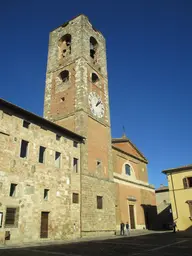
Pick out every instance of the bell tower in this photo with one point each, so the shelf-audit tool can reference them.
(76, 97)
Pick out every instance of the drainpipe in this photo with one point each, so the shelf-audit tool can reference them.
(174, 196)
(80, 173)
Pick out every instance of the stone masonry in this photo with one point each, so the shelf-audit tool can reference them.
(32, 178)
(75, 114)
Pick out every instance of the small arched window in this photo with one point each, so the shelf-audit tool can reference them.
(64, 75)
(93, 47)
(94, 78)
(65, 45)
(127, 170)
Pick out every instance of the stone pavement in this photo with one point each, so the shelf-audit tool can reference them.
(146, 244)
(133, 233)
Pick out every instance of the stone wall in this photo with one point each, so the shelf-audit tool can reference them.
(93, 219)
(32, 177)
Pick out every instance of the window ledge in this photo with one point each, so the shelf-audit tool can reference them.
(24, 158)
(10, 226)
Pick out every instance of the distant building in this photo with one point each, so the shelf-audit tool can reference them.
(63, 176)
(164, 212)
(180, 192)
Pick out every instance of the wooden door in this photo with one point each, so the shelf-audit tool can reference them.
(44, 224)
(132, 216)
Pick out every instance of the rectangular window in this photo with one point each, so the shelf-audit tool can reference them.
(75, 165)
(12, 216)
(1, 219)
(58, 137)
(189, 202)
(46, 194)
(57, 159)
(187, 182)
(190, 210)
(75, 198)
(24, 148)
(75, 144)
(12, 192)
(42, 154)
(26, 124)
(99, 202)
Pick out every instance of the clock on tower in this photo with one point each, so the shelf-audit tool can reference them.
(96, 105)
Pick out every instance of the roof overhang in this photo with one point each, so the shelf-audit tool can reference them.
(33, 118)
(178, 169)
(160, 190)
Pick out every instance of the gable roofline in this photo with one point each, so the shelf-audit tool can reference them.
(125, 139)
(128, 154)
(178, 169)
(33, 118)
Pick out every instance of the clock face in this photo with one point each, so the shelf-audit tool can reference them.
(96, 105)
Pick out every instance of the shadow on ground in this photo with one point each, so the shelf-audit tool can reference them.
(145, 244)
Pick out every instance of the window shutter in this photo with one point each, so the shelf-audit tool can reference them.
(185, 183)
(10, 216)
(190, 209)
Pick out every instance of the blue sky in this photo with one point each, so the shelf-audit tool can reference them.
(149, 52)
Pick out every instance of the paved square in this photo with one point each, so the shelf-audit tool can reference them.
(166, 244)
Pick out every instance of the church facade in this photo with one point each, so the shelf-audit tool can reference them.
(63, 176)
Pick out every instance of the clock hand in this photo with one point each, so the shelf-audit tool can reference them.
(99, 102)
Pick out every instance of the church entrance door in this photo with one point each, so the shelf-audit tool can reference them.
(132, 216)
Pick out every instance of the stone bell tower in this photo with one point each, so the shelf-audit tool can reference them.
(76, 97)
